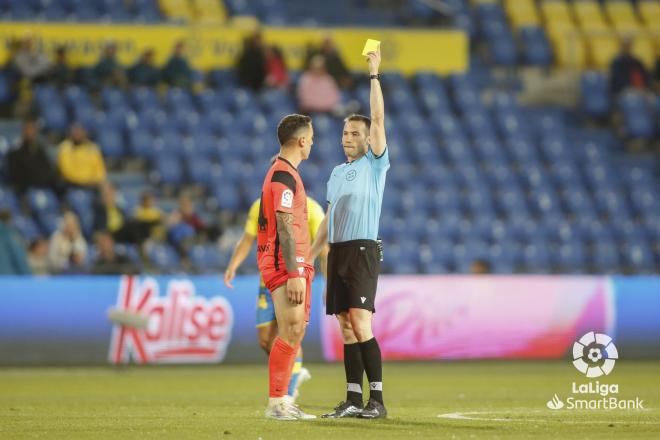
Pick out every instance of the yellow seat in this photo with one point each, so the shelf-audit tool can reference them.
(570, 50)
(589, 16)
(522, 13)
(555, 10)
(649, 10)
(622, 16)
(209, 11)
(644, 49)
(602, 49)
(176, 9)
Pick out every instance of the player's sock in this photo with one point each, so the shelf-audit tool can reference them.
(354, 371)
(373, 365)
(295, 374)
(280, 362)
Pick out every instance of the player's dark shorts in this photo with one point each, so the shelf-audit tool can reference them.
(353, 268)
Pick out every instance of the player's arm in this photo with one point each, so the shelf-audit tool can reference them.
(296, 285)
(241, 251)
(321, 239)
(377, 105)
(323, 262)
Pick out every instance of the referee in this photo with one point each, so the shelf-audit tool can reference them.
(355, 195)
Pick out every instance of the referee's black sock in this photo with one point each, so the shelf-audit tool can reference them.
(373, 365)
(354, 372)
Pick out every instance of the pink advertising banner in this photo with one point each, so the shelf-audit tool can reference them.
(466, 317)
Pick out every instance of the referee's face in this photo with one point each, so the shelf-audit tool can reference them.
(354, 140)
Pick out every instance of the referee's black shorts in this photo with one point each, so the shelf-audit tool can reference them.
(353, 268)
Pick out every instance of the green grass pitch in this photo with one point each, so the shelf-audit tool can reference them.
(502, 399)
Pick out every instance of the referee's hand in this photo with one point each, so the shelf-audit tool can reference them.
(295, 290)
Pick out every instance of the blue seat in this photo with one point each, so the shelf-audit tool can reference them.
(42, 200)
(80, 201)
(111, 143)
(639, 117)
(27, 228)
(206, 258)
(177, 99)
(144, 98)
(9, 200)
(536, 47)
(595, 94)
(164, 257)
(167, 171)
(141, 143)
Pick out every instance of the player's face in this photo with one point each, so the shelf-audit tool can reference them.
(355, 139)
(307, 141)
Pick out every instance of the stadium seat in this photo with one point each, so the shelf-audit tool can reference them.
(164, 257)
(595, 94)
(639, 118)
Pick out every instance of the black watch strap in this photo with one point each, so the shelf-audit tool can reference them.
(376, 76)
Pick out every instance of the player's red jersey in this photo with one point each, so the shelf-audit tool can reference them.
(283, 191)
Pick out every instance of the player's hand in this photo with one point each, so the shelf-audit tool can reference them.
(373, 59)
(295, 290)
(230, 274)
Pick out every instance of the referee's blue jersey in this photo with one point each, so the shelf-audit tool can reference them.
(355, 196)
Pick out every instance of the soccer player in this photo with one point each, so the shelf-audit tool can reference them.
(283, 247)
(355, 194)
(266, 323)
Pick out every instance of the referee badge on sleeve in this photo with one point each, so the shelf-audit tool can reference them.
(287, 199)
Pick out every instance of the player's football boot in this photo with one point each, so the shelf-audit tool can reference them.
(303, 377)
(286, 410)
(373, 410)
(344, 409)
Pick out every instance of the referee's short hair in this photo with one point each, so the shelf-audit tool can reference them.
(289, 126)
(360, 118)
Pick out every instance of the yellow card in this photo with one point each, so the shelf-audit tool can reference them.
(370, 46)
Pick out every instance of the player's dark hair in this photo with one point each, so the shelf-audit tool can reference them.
(360, 118)
(289, 126)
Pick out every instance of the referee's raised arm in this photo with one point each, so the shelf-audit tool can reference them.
(377, 130)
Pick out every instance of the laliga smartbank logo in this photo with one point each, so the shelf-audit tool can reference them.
(594, 355)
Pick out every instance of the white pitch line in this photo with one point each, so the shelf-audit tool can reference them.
(468, 416)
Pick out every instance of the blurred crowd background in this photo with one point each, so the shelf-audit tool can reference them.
(543, 157)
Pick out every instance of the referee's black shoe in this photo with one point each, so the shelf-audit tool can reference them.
(344, 409)
(373, 410)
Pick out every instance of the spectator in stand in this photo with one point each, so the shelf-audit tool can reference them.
(149, 216)
(144, 72)
(480, 267)
(333, 62)
(60, 73)
(251, 63)
(108, 261)
(627, 71)
(30, 61)
(108, 71)
(38, 256)
(68, 248)
(317, 90)
(80, 160)
(656, 74)
(277, 75)
(12, 254)
(110, 217)
(177, 71)
(30, 165)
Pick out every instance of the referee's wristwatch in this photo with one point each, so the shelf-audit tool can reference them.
(376, 76)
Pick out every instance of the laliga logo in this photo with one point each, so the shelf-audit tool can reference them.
(179, 327)
(594, 354)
